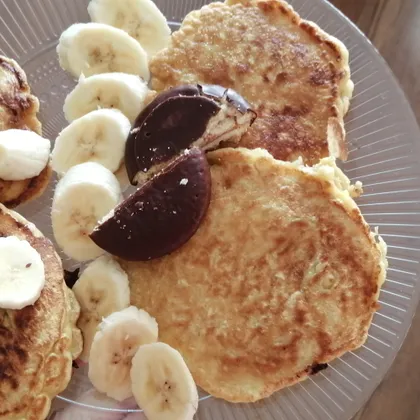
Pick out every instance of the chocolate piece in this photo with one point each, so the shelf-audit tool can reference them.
(133, 138)
(183, 90)
(169, 129)
(316, 367)
(162, 214)
(186, 116)
(71, 277)
(231, 96)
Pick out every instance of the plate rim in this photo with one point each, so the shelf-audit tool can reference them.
(357, 36)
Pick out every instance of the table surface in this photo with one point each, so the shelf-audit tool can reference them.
(394, 28)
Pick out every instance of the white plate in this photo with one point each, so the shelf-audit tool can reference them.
(384, 151)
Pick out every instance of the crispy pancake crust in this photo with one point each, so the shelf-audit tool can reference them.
(73, 310)
(35, 342)
(295, 75)
(14, 193)
(282, 275)
(18, 109)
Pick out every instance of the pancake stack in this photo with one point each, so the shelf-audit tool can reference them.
(283, 275)
(39, 342)
(18, 110)
(242, 240)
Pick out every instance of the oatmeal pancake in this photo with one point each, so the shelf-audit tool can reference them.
(295, 75)
(283, 275)
(18, 110)
(36, 342)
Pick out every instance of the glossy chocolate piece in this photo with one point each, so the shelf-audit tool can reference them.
(71, 277)
(169, 129)
(162, 214)
(231, 96)
(134, 136)
(175, 120)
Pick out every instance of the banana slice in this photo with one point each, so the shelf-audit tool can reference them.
(93, 48)
(99, 137)
(22, 273)
(115, 343)
(85, 194)
(162, 384)
(23, 154)
(101, 290)
(125, 92)
(141, 19)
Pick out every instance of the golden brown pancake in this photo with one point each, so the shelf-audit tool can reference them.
(18, 107)
(295, 75)
(36, 343)
(14, 193)
(73, 315)
(282, 275)
(18, 110)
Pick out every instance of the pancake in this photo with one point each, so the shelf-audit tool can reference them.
(18, 109)
(282, 276)
(36, 342)
(73, 309)
(15, 193)
(295, 75)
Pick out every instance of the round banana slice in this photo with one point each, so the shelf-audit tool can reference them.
(162, 384)
(23, 154)
(99, 136)
(101, 289)
(114, 345)
(141, 19)
(22, 273)
(85, 194)
(94, 48)
(125, 92)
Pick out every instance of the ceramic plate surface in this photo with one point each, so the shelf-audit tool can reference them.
(384, 145)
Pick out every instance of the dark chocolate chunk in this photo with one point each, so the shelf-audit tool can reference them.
(169, 129)
(162, 214)
(316, 367)
(183, 117)
(183, 90)
(232, 97)
(130, 161)
(70, 277)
